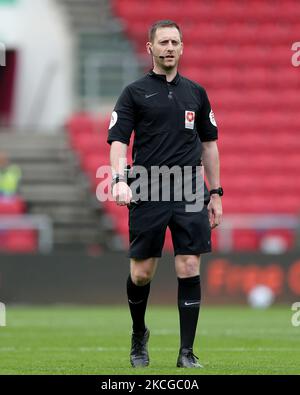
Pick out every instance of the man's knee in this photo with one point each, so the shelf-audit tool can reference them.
(187, 265)
(141, 279)
(142, 271)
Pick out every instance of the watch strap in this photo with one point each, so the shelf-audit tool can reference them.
(218, 191)
(117, 178)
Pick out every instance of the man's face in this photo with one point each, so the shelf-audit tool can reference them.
(166, 43)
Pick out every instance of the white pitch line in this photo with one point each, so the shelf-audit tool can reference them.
(154, 349)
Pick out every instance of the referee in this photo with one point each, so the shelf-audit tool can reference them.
(174, 126)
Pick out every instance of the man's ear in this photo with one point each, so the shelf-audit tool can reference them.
(149, 48)
(181, 52)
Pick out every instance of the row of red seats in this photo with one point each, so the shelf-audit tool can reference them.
(18, 241)
(273, 182)
(202, 55)
(12, 205)
(250, 142)
(264, 121)
(239, 33)
(84, 122)
(242, 79)
(212, 10)
(234, 54)
(255, 204)
(256, 99)
(261, 162)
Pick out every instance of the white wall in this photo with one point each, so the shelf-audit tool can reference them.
(39, 32)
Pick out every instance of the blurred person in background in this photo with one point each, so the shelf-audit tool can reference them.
(174, 126)
(10, 177)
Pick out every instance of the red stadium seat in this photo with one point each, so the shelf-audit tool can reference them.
(19, 241)
(13, 205)
(89, 142)
(81, 122)
(245, 240)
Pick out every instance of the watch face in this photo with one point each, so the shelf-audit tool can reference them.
(219, 191)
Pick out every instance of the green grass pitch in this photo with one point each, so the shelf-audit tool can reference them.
(96, 340)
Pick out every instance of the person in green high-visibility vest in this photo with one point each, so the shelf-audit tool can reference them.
(10, 176)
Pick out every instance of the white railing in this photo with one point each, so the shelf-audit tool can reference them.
(42, 223)
(96, 64)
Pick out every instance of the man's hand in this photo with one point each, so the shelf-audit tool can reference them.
(122, 193)
(215, 210)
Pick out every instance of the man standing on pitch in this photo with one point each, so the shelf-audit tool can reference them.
(174, 126)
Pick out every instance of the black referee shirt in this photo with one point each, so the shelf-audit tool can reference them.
(170, 120)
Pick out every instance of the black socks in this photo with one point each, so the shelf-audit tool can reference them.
(189, 298)
(137, 300)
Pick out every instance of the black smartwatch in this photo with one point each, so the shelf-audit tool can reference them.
(219, 191)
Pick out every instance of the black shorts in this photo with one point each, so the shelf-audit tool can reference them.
(148, 221)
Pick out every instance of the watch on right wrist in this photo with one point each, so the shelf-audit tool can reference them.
(117, 178)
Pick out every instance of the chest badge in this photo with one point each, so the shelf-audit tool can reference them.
(189, 119)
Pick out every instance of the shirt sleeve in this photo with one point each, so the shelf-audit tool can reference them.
(206, 123)
(122, 119)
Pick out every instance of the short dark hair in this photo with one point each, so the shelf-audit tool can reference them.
(162, 23)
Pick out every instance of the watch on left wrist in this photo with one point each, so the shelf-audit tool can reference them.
(218, 191)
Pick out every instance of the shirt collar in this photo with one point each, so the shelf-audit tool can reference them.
(162, 77)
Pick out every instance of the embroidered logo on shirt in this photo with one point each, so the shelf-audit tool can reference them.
(152, 94)
(189, 119)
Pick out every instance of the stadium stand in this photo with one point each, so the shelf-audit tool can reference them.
(13, 205)
(52, 185)
(15, 240)
(87, 137)
(97, 31)
(241, 54)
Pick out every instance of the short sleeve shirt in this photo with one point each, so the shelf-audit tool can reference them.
(170, 120)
